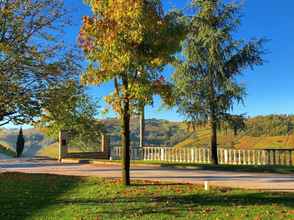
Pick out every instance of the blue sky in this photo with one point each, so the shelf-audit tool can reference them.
(270, 87)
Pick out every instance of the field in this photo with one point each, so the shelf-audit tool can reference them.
(26, 196)
(242, 141)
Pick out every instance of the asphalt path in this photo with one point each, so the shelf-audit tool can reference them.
(261, 181)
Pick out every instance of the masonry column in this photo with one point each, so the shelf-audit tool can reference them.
(63, 148)
(105, 145)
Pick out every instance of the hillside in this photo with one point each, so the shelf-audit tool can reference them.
(157, 133)
(242, 141)
(34, 140)
(273, 131)
(6, 151)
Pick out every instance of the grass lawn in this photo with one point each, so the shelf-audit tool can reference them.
(38, 196)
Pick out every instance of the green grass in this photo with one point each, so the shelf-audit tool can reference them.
(39, 196)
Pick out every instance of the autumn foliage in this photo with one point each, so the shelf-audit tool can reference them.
(129, 42)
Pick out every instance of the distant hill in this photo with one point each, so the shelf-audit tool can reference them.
(273, 131)
(34, 140)
(7, 151)
(242, 141)
(157, 133)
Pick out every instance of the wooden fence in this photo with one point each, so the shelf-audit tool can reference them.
(202, 155)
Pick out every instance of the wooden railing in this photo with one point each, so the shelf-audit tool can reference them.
(202, 155)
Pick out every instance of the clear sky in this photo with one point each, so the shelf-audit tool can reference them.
(270, 87)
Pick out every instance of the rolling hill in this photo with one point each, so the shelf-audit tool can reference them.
(242, 141)
(273, 131)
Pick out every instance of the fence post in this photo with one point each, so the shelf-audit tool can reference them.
(235, 157)
(226, 156)
(105, 145)
(274, 157)
(268, 157)
(192, 156)
(254, 157)
(239, 161)
(162, 154)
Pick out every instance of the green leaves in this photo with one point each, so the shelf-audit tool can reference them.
(32, 56)
(205, 78)
(68, 107)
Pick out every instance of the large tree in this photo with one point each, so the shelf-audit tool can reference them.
(128, 42)
(32, 55)
(205, 77)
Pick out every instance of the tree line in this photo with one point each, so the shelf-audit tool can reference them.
(128, 43)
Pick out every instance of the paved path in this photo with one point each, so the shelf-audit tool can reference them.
(264, 181)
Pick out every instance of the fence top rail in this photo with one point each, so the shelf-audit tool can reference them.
(220, 149)
(282, 149)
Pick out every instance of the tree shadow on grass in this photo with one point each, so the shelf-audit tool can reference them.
(178, 204)
(22, 195)
(25, 195)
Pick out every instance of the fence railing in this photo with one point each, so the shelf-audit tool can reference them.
(202, 155)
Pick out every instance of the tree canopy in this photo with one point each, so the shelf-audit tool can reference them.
(206, 77)
(32, 56)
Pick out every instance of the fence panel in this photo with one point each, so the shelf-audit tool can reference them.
(203, 155)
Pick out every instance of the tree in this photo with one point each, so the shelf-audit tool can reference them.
(205, 77)
(69, 108)
(128, 42)
(235, 122)
(32, 56)
(20, 143)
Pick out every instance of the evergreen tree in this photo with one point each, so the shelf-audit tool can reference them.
(205, 78)
(20, 143)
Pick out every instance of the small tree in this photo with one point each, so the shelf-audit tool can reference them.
(127, 42)
(206, 84)
(20, 143)
(68, 107)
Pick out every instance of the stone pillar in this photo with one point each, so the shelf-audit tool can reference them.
(63, 147)
(105, 148)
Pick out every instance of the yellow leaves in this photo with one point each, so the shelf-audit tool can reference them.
(115, 34)
(5, 48)
(156, 62)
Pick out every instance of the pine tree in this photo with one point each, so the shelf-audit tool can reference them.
(20, 143)
(205, 78)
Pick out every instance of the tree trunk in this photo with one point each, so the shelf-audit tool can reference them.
(126, 136)
(142, 125)
(235, 131)
(214, 158)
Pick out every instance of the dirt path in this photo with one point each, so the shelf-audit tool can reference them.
(263, 181)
